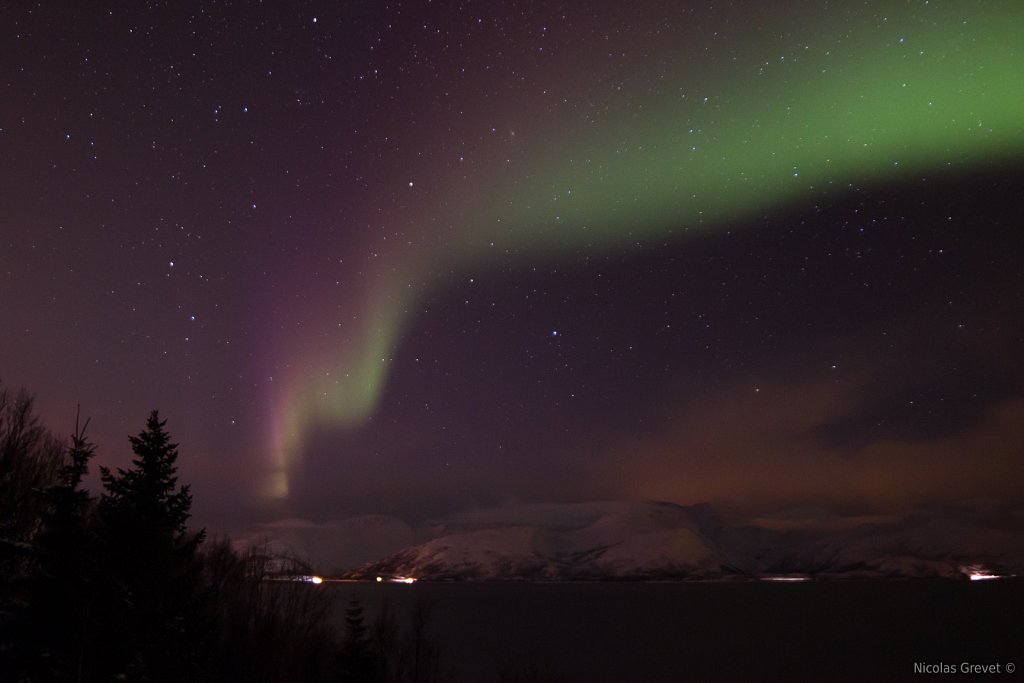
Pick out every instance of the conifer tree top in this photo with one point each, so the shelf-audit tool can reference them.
(149, 489)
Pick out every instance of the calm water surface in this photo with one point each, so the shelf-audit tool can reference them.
(855, 631)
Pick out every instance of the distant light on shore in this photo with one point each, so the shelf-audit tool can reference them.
(977, 572)
(301, 578)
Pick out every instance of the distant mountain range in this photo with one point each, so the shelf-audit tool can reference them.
(660, 541)
(664, 541)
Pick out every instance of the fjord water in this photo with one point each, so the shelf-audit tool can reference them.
(836, 630)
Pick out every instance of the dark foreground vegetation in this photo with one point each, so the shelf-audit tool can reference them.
(118, 587)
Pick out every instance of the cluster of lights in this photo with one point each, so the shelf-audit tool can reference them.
(397, 579)
(977, 572)
(317, 580)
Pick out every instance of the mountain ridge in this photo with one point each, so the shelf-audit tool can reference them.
(667, 541)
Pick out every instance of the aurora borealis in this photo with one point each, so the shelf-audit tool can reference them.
(410, 258)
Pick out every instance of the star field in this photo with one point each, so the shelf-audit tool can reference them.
(413, 257)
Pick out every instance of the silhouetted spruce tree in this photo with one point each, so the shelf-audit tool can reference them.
(356, 657)
(64, 585)
(152, 572)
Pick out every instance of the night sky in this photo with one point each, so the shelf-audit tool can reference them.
(412, 258)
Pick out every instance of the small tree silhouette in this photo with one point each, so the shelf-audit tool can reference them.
(356, 657)
(64, 585)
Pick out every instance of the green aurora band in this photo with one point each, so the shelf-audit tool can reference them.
(883, 96)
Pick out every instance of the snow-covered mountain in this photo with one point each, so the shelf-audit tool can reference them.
(648, 540)
(938, 542)
(583, 541)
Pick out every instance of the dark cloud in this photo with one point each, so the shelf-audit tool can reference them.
(923, 399)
